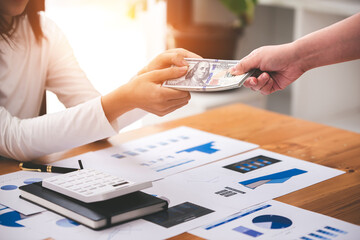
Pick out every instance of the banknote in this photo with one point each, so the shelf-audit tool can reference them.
(208, 75)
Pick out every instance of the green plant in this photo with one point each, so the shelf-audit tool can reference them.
(243, 10)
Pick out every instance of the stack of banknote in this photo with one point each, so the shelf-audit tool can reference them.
(208, 75)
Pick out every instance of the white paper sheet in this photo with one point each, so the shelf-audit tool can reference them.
(11, 228)
(198, 212)
(278, 176)
(169, 152)
(276, 220)
(10, 183)
(9, 190)
(210, 193)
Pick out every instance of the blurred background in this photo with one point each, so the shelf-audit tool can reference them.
(113, 39)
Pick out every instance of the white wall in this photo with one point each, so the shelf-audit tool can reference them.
(328, 95)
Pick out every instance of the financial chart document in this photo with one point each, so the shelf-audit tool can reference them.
(250, 178)
(276, 220)
(9, 190)
(166, 153)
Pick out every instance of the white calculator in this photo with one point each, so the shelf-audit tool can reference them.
(89, 185)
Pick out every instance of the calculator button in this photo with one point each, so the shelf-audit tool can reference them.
(89, 185)
(119, 184)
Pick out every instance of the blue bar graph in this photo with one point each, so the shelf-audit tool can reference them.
(319, 236)
(248, 231)
(205, 148)
(326, 233)
(278, 177)
(117, 155)
(335, 230)
(251, 164)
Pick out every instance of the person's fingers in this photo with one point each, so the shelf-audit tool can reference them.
(165, 60)
(169, 94)
(176, 57)
(161, 75)
(171, 109)
(163, 108)
(178, 60)
(268, 88)
(250, 82)
(176, 101)
(251, 61)
(173, 104)
(169, 58)
(261, 81)
(184, 52)
(161, 61)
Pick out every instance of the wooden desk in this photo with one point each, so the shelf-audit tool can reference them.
(338, 197)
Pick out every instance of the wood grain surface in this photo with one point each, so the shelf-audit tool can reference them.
(338, 197)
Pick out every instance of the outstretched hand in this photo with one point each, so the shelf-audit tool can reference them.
(171, 57)
(278, 64)
(145, 90)
(154, 98)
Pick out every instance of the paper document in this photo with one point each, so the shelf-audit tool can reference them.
(11, 228)
(276, 220)
(163, 154)
(9, 190)
(185, 212)
(10, 183)
(250, 178)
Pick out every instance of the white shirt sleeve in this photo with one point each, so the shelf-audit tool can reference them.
(26, 139)
(83, 121)
(66, 79)
(31, 138)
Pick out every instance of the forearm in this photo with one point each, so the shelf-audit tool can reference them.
(117, 102)
(339, 42)
(31, 138)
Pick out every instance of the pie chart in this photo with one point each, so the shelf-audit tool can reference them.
(64, 222)
(272, 222)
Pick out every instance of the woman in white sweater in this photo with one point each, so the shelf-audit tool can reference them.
(35, 56)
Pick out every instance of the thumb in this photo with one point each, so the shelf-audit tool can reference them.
(160, 76)
(251, 61)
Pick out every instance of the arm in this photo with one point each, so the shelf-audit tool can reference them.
(69, 83)
(337, 43)
(26, 139)
(87, 117)
(144, 91)
(283, 64)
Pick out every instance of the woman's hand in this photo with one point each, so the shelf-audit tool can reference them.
(145, 91)
(171, 57)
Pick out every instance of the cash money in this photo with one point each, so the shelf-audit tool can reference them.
(208, 75)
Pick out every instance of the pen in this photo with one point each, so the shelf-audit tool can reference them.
(80, 164)
(45, 168)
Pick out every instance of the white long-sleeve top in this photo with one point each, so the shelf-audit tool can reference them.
(27, 69)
